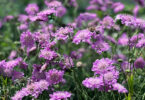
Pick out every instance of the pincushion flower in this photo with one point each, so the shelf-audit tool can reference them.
(107, 22)
(8, 18)
(2, 66)
(57, 6)
(33, 89)
(93, 82)
(140, 23)
(100, 46)
(128, 20)
(131, 21)
(43, 15)
(38, 18)
(54, 76)
(60, 95)
(23, 27)
(141, 43)
(139, 63)
(135, 38)
(13, 63)
(48, 54)
(53, 4)
(42, 39)
(82, 36)
(37, 75)
(117, 6)
(110, 77)
(63, 33)
(23, 18)
(123, 40)
(23, 65)
(46, 12)
(85, 17)
(27, 40)
(7, 68)
(102, 66)
(37, 88)
(17, 75)
(20, 94)
(99, 30)
(61, 11)
(32, 9)
(102, 5)
(119, 88)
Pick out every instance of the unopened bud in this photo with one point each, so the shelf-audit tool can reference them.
(79, 64)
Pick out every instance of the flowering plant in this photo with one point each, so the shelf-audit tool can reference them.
(62, 50)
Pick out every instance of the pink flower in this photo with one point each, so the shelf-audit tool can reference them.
(93, 82)
(119, 88)
(60, 95)
(82, 36)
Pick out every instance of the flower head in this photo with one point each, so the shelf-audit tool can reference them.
(60, 95)
(100, 46)
(82, 36)
(23, 18)
(93, 82)
(33, 89)
(131, 21)
(27, 40)
(139, 63)
(57, 6)
(63, 33)
(135, 38)
(119, 88)
(102, 65)
(48, 54)
(54, 76)
(110, 77)
(32, 9)
(123, 40)
(107, 22)
(118, 6)
(37, 75)
(85, 17)
(141, 43)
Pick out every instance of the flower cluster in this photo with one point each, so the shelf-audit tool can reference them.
(103, 5)
(107, 77)
(131, 21)
(54, 76)
(7, 68)
(33, 89)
